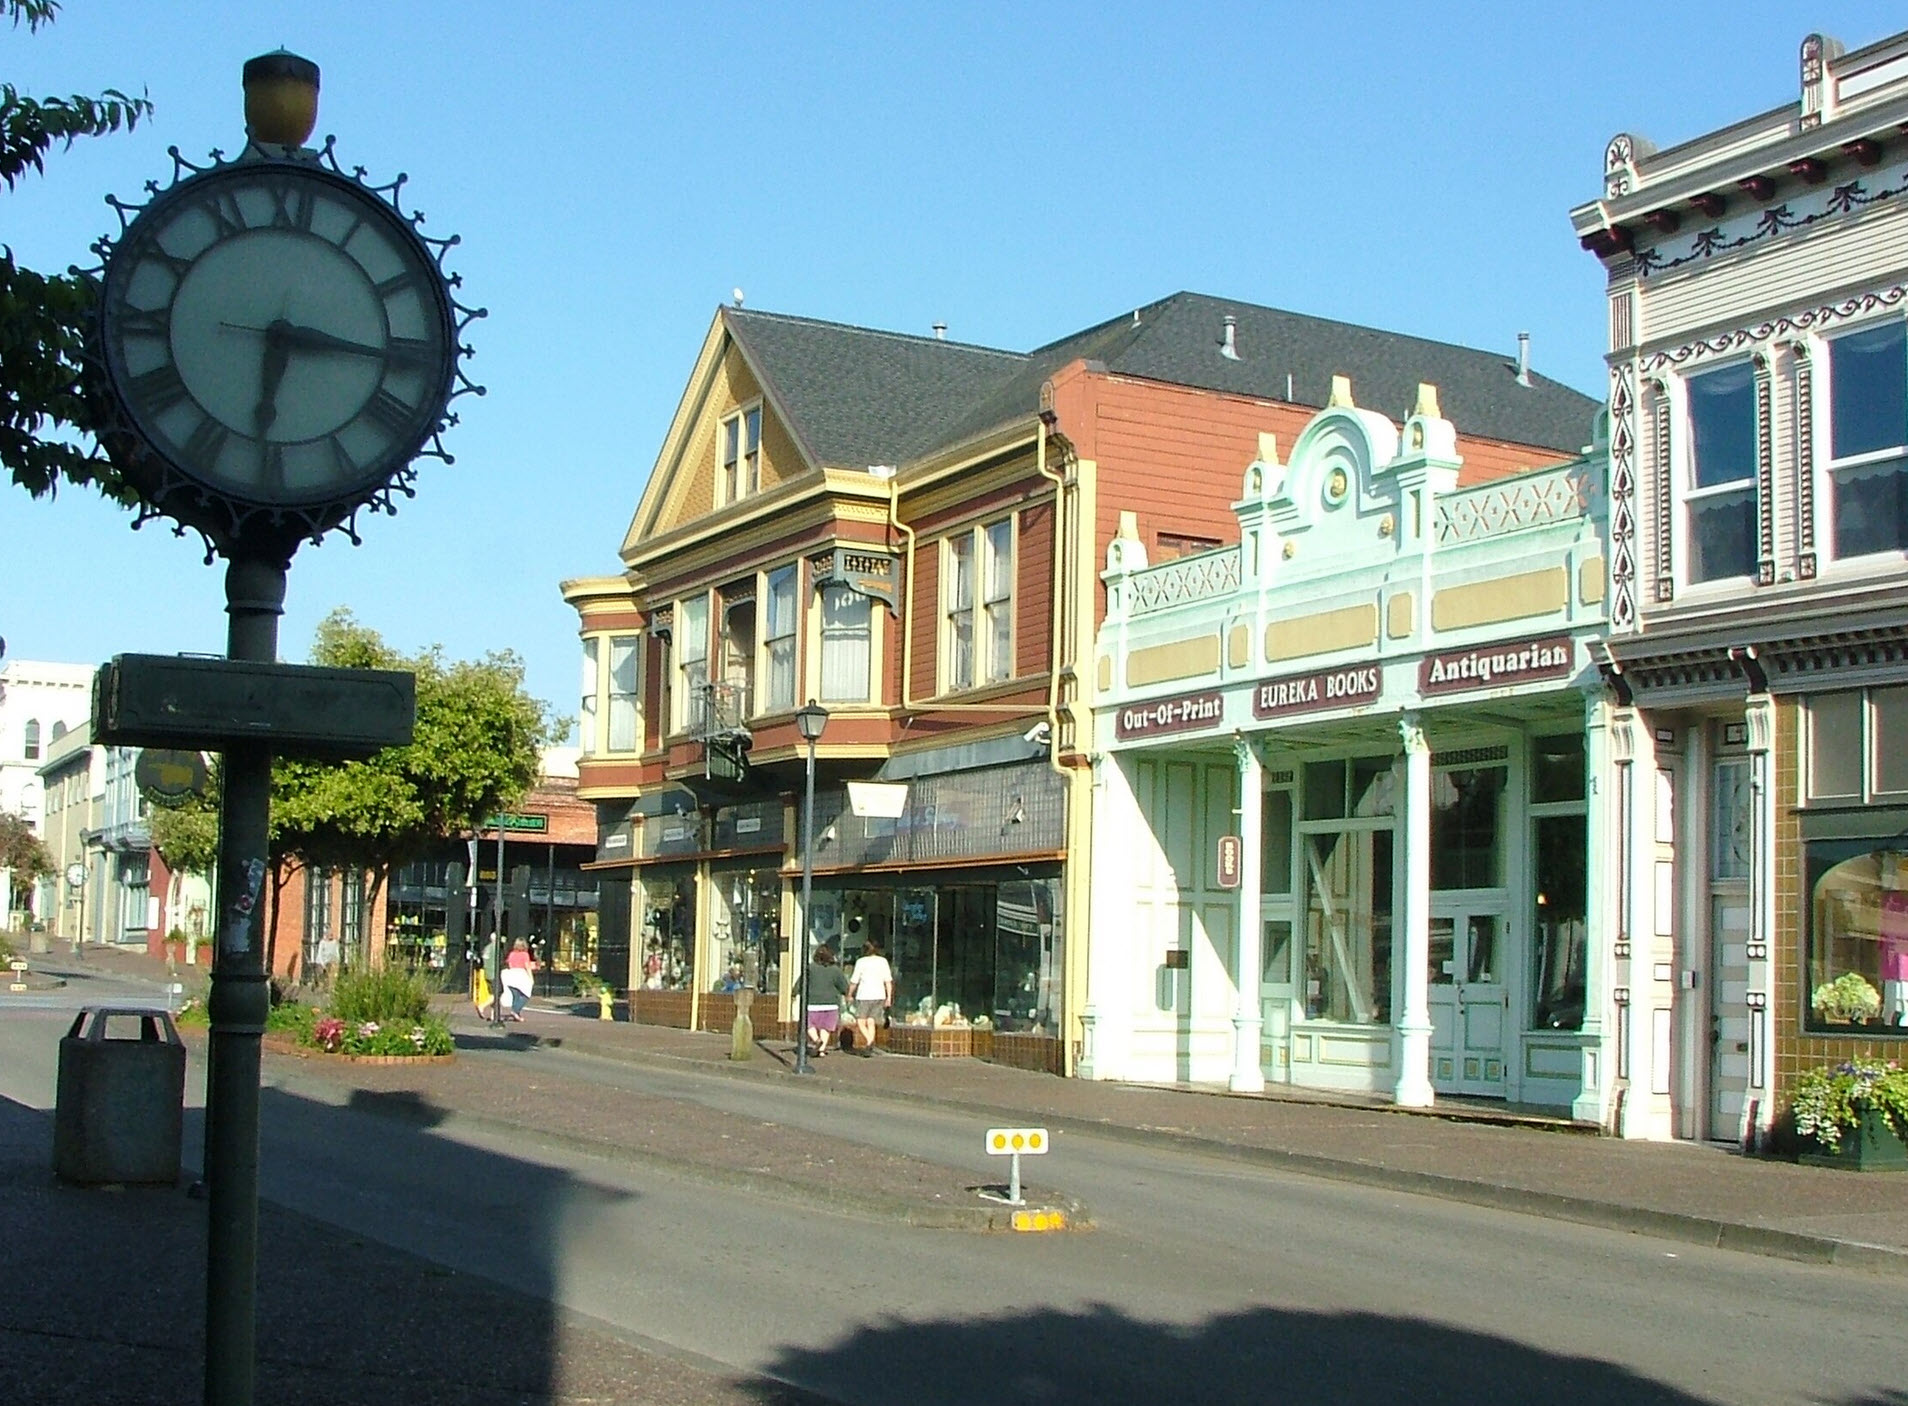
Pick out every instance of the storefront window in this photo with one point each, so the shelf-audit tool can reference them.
(1557, 769)
(1276, 950)
(1465, 808)
(1857, 975)
(668, 898)
(1348, 927)
(745, 929)
(1560, 934)
(1275, 863)
(1363, 786)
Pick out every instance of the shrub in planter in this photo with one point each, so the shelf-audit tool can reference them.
(427, 1037)
(384, 996)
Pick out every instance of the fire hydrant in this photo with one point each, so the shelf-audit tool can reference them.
(606, 1003)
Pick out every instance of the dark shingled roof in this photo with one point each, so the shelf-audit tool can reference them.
(861, 397)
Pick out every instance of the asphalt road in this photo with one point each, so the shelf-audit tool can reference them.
(1203, 1281)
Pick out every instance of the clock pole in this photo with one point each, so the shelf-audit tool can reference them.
(239, 1005)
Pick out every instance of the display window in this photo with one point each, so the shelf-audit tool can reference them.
(667, 897)
(745, 929)
(1856, 978)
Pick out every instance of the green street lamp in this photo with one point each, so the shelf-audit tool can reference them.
(810, 719)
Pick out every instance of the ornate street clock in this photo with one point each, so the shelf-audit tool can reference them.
(278, 343)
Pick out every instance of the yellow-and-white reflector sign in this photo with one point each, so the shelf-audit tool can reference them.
(1005, 1142)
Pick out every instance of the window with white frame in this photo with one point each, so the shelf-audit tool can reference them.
(32, 739)
(692, 660)
(742, 455)
(624, 653)
(847, 639)
(778, 642)
(586, 704)
(979, 592)
(1720, 492)
(1868, 439)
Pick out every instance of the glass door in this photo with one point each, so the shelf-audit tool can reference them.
(1470, 1003)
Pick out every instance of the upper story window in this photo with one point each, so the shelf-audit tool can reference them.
(692, 660)
(33, 739)
(624, 654)
(1868, 439)
(847, 637)
(1848, 760)
(1720, 495)
(742, 455)
(778, 642)
(1171, 546)
(978, 646)
(586, 705)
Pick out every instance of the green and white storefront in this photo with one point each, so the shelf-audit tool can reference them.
(1395, 671)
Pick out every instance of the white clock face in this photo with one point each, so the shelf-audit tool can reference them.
(277, 333)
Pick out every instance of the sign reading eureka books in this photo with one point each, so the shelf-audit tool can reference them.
(1169, 715)
(1497, 665)
(1344, 687)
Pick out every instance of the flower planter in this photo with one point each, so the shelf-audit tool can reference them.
(1875, 1146)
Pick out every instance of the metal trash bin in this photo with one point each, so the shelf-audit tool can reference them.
(121, 1110)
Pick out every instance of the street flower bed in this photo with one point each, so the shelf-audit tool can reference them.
(369, 1038)
(371, 1015)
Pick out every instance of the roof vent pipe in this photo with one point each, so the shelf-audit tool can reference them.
(1229, 339)
(940, 331)
(1523, 358)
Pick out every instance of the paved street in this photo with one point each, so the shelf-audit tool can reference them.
(492, 1251)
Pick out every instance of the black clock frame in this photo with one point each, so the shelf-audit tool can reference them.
(231, 525)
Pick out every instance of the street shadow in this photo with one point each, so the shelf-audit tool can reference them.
(451, 1304)
(1044, 1357)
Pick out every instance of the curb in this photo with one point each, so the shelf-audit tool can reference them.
(1057, 1213)
(1676, 1226)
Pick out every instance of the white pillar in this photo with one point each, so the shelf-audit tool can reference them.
(1414, 1022)
(1248, 1076)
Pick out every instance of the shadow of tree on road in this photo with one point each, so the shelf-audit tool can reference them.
(1055, 1358)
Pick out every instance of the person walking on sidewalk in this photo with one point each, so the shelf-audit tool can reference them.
(517, 979)
(827, 984)
(871, 984)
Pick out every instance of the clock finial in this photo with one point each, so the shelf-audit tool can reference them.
(281, 98)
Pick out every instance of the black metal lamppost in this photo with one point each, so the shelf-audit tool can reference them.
(810, 719)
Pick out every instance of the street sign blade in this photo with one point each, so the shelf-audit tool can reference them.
(191, 703)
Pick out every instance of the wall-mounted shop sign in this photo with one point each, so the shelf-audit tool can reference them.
(1169, 715)
(1343, 687)
(1497, 665)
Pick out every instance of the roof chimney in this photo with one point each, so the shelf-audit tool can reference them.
(1523, 358)
(940, 331)
(1228, 339)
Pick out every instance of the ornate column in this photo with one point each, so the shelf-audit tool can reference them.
(1248, 1076)
(1414, 1021)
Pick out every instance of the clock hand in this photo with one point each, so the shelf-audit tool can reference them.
(276, 357)
(299, 338)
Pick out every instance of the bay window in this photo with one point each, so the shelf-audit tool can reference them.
(1868, 439)
(692, 660)
(586, 709)
(1720, 499)
(623, 656)
(847, 630)
(779, 641)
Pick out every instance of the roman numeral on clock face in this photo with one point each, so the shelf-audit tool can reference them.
(202, 446)
(223, 210)
(388, 413)
(292, 206)
(158, 389)
(396, 284)
(146, 322)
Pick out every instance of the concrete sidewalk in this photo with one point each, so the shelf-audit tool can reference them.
(1692, 1193)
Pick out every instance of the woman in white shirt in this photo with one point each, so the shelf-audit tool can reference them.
(871, 988)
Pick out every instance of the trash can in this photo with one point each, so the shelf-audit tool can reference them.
(121, 1104)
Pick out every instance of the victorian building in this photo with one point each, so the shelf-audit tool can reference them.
(1758, 604)
(909, 531)
(1342, 833)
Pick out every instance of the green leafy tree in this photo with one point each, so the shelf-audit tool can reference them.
(475, 752)
(22, 851)
(48, 420)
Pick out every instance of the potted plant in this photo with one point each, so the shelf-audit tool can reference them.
(1854, 1115)
(1847, 1000)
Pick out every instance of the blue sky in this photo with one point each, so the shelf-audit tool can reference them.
(1017, 171)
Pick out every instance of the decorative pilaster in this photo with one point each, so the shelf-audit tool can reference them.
(1622, 497)
(1765, 472)
(1662, 497)
(1414, 1021)
(1248, 1021)
(1804, 462)
(1759, 715)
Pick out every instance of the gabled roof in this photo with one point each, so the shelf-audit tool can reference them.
(859, 396)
